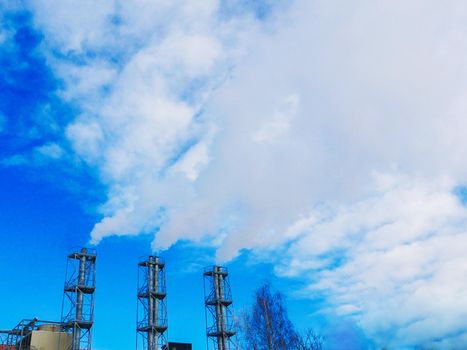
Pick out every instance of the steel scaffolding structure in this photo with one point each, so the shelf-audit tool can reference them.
(3, 337)
(19, 338)
(220, 330)
(78, 297)
(152, 305)
(16, 337)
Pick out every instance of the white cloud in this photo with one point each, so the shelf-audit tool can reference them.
(86, 138)
(88, 81)
(196, 158)
(393, 261)
(76, 27)
(340, 132)
(15, 160)
(141, 74)
(50, 150)
(280, 121)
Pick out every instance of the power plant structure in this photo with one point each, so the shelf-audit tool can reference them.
(152, 305)
(73, 332)
(36, 334)
(78, 298)
(220, 329)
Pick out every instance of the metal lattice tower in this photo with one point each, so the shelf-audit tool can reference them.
(15, 338)
(220, 328)
(78, 298)
(152, 305)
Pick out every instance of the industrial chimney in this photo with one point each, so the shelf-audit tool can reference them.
(78, 297)
(220, 330)
(152, 305)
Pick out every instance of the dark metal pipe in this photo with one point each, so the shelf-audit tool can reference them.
(156, 300)
(220, 312)
(80, 299)
(151, 303)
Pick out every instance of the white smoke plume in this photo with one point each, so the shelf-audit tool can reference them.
(331, 131)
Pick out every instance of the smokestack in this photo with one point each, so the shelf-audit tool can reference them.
(78, 297)
(152, 305)
(220, 330)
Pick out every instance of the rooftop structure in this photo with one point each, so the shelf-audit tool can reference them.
(36, 334)
(177, 346)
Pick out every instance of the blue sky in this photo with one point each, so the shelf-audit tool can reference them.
(49, 208)
(36, 238)
(316, 144)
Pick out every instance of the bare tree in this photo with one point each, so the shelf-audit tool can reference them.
(308, 340)
(266, 326)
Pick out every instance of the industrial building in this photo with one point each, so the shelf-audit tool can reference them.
(177, 346)
(74, 330)
(36, 334)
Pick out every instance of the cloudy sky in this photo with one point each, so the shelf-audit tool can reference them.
(321, 143)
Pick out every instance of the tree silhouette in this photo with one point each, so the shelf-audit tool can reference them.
(266, 325)
(308, 340)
